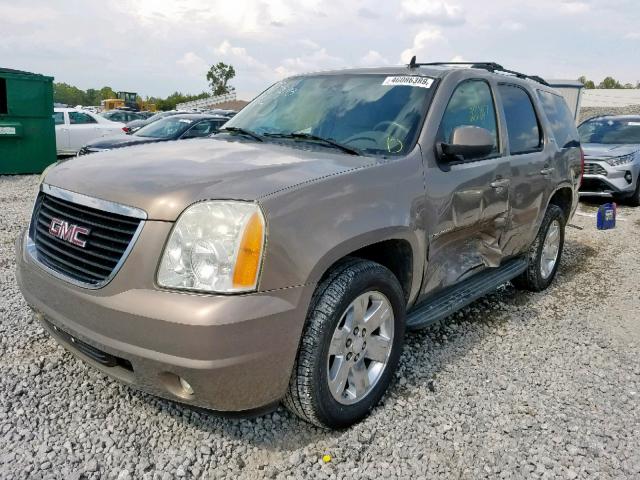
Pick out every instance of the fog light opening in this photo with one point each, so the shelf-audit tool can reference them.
(186, 387)
(177, 385)
(628, 177)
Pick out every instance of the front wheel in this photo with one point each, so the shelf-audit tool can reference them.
(350, 346)
(545, 252)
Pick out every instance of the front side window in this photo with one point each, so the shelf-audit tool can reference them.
(522, 124)
(610, 130)
(58, 118)
(373, 114)
(79, 118)
(560, 118)
(470, 105)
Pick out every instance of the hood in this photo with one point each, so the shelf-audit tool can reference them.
(164, 178)
(117, 141)
(601, 150)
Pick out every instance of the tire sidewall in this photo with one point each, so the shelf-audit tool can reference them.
(554, 213)
(334, 413)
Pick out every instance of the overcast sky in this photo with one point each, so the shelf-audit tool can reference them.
(156, 47)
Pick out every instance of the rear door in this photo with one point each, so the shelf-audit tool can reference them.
(82, 129)
(62, 132)
(530, 164)
(467, 203)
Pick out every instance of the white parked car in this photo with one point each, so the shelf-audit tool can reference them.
(75, 128)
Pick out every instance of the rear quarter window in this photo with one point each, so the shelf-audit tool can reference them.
(562, 122)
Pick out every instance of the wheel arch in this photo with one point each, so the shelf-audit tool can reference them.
(564, 197)
(396, 249)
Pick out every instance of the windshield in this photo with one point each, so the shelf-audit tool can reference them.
(610, 131)
(374, 114)
(165, 128)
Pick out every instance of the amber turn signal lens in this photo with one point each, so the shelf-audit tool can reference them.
(247, 268)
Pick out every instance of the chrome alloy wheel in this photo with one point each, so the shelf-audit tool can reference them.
(550, 250)
(360, 347)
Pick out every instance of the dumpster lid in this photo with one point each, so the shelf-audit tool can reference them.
(19, 72)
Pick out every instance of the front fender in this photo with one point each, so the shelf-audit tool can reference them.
(312, 226)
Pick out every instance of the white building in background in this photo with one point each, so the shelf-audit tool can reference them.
(610, 97)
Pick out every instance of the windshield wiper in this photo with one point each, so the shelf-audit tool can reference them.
(243, 131)
(315, 138)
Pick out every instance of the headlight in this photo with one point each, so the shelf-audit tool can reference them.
(215, 246)
(616, 161)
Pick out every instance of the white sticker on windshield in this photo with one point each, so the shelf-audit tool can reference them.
(184, 120)
(633, 124)
(409, 81)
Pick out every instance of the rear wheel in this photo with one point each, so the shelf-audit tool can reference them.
(350, 346)
(545, 252)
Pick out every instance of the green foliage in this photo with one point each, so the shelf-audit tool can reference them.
(70, 95)
(218, 77)
(172, 100)
(588, 84)
(608, 82)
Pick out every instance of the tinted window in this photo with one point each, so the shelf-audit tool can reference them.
(522, 123)
(170, 127)
(470, 105)
(58, 118)
(375, 114)
(611, 130)
(76, 118)
(559, 116)
(202, 129)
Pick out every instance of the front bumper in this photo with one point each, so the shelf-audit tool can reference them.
(236, 351)
(609, 181)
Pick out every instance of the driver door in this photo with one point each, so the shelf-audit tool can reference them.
(467, 201)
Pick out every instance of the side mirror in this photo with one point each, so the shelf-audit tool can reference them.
(468, 142)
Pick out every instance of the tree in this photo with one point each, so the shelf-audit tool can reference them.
(218, 77)
(107, 92)
(68, 94)
(588, 84)
(610, 82)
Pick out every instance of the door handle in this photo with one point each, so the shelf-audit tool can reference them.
(547, 171)
(500, 183)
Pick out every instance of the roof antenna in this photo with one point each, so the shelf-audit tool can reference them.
(412, 63)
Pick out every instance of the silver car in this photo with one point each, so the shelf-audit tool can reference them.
(611, 147)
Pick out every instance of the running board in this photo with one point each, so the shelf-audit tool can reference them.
(452, 299)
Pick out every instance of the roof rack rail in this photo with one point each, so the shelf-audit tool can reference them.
(489, 66)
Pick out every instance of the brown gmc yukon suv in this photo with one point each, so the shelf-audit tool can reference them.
(283, 259)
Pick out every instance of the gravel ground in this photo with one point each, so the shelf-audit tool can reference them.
(517, 385)
(588, 112)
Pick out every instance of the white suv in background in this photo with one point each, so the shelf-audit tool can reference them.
(75, 128)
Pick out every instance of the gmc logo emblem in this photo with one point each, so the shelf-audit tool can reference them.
(68, 232)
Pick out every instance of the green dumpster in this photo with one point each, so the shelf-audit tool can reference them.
(27, 131)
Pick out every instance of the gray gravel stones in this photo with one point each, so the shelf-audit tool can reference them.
(588, 112)
(517, 385)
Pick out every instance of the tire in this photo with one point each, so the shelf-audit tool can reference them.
(634, 200)
(331, 314)
(538, 276)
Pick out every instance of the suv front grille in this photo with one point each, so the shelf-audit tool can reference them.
(93, 258)
(594, 169)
